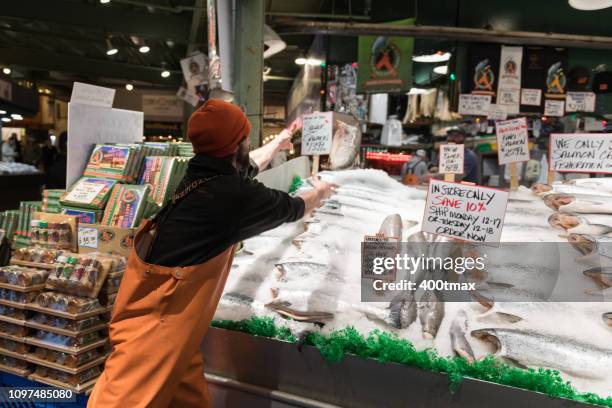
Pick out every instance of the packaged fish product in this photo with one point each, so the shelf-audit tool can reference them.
(111, 162)
(71, 379)
(67, 303)
(79, 275)
(22, 276)
(18, 297)
(85, 216)
(126, 205)
(71, 360)
(36, 254)
(67, 341)
(13, 312)
(13, 329)
(13, 362)
(66, 324)
(88, 192)
(14, 346)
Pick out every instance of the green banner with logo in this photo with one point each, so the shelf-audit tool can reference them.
(385, 63)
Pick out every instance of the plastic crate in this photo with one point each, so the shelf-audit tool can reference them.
(10, 380)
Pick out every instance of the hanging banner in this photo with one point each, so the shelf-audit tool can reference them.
(509, 84)
(580, 102)
(512, 141)
(581, 153)
(555, 60)
(532, 79)
(385, 63)
(484, 67)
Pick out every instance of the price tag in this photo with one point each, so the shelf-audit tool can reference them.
(512, 141)
(581, 152)
(580, 102)
(553, 107)
(451, 158)
(466, 212)
(88, 237)
(476, 105)
(497, 112)
(531, 97)
(85, 192)
(317, 133)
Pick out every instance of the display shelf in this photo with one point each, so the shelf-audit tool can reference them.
(81, 389)
(65, 349)
(16, 305)
(12, 320)
(38, 265)
(71, 370)
(24, 289)
(11, 337)
(16, 371)
(71, 316)
(65, 332)
(13, 354)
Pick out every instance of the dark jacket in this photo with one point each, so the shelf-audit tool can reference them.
(220, 213)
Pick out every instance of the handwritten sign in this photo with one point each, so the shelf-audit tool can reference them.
(497, 112)
(317, 133)
(531, 97)
(85, 192)
(580, 102)
(553, 108)
(476, 105)
(512, 141)
(581, 152)
(88, 237)
(93, 95)
(451, 158)
(465, 212)
(510, 99)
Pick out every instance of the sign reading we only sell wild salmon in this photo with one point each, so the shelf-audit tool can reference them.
(465, 212)
(581, 152)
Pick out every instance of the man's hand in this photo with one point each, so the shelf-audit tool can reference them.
(324, 189)
(283, 139)
(314, 198)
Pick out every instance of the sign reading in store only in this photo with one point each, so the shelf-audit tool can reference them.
(466, 212)
(581, 152)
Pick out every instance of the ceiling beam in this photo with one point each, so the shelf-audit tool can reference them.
(53, 61)
(301, 27)
(101, 18)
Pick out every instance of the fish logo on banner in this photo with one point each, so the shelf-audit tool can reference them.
(385, 58)
(484, 78)
(509, 88)
(556, 80)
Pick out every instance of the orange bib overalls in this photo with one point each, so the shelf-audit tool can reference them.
(159, 319)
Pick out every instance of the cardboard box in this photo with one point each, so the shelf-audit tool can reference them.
(102, 238)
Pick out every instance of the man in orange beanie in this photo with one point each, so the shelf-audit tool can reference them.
(180, 261)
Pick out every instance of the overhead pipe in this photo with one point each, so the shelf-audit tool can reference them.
(300, 27)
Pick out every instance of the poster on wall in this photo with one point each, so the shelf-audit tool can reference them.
(385, 63)
(195, 72)
(555, 60)
(484, 69)
(509, 84)
(544, 69)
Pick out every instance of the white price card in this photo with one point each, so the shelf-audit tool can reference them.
(85, 192)
(497, 112)
(531, 96)
(317, 133)
(476, 105)
(86, 94)
(512, 141)
(580, 102)
(465, 212)
(451, 158)
(581, 152)
(553, 107)
(88, 237)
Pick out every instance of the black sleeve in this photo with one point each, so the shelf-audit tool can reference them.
(264, 208)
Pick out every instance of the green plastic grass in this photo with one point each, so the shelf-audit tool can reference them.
(296, 183)
(387, 347)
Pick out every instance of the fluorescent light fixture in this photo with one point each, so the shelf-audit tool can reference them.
(6, 70)
(417, 91)
(129, 87)
(590, 5)
(6, 120)
(105, 1)
(2, 112)
(436, 57)
(441, 69)
(144, 49)
(314, 62)
(301, 61)
(110, 50)
(16, 116)
(165, 74)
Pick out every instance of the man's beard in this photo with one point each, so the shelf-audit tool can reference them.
(242, 160)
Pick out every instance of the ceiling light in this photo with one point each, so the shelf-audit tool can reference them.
(165, 74)
(2, 112)
(441, 69)
(16, 116)
(589, 5)
(129, 87)
(104, 1)
(110, 50)
(144, 49)
(301, 61)
(6, 120)
(314, 61)
(6, 70)
(436, 57)
(417, 91)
